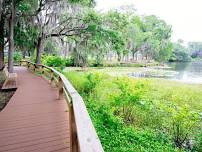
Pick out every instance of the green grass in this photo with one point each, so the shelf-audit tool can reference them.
(140, 115)
(176, 92)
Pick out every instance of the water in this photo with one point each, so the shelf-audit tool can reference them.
(190, 72)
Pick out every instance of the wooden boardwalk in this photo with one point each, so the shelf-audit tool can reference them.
(34, 120)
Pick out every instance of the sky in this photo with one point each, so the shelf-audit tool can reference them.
(185, 16)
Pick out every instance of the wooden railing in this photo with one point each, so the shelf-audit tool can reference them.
(83, 135)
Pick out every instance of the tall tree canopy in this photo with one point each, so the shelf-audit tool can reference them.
(73, 26)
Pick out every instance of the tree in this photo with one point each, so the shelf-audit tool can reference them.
(38, 23)
(25, 13)
(51, 22)
(10, 13)
(11, 36)
(95, 41)
(180, 53)
(2, 33)
(195, 49)
(158, 42)
(2, 43)
(1, 2)
(25, 38)
(118, 23)
(136, 35)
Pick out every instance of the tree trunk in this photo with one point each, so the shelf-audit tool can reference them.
(119, 57)
(39, 50)
(2, 43)
(11, 40)
(24, 53)
(133, 55)
(28, 53)
(1, 8)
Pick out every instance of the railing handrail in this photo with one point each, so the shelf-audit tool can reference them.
(86, 135)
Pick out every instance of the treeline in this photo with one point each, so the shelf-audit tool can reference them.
(117, 36)
(182, 53)
(25, 25)
(73, 29)
(195, 49)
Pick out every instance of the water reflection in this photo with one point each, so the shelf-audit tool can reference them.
(190, 72)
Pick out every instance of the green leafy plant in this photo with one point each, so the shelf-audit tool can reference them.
(54, 61)
(92, 81)
(139, 114)
(17, 57)
(181, 123)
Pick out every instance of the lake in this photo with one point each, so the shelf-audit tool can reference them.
(190, 72)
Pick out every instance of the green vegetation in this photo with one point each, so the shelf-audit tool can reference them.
(141, 114)
(92, 39)
(129, 114)
(4, 96)
(196, 49)
(56, 61)
(2, 78)
(180, 53)
(125, 71)
(17, 57)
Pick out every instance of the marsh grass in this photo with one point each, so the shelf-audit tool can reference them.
(132, 114)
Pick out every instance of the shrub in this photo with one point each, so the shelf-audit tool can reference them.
(126, 100)
(17, 56)
(141, 114)
(54, 61)
(69, 62)
(181, 123)
(116, 137)
(92, 81)
(180, 56)
(198, 141)
(57, 61)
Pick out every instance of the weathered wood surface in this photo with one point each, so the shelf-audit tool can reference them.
(34, 119)
(11, 80)
(83, 134)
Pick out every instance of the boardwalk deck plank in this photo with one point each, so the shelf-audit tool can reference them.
(34, 120)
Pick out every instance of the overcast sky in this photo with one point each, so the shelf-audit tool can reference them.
(185, 16)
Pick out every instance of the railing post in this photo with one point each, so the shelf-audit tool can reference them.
(73, 133)
(72, 126)
(51, 77)
(42, 70)
(60, 89)
(28, 65)
(34, 67)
